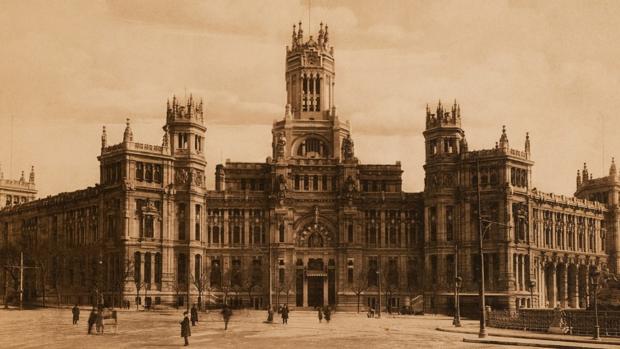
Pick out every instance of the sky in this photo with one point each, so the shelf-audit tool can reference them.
(551, 68)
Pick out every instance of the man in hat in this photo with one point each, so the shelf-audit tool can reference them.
(185, 329)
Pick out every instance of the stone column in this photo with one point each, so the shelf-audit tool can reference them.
(542, 289)
(325, 291)
(305, 280)
(576, 287)
(564, 294)
(246, 228)
(225, 227)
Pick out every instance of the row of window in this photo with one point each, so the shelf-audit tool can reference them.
(112, 173)
(148, 172)
(15, 199)
(568, 232)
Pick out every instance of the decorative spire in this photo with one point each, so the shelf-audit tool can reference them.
(612, 168)
(527, 142)
(321, 35)
(31, 179)
(294, 37)
(578, 179)
(22, 178)
(300, 35)
(326, 36)
(128, 135)
(584, 173)
(503, 140)
(104, 138)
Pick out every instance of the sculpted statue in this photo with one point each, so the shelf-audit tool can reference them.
(348, 148)
(281, 143)
(181, 176)
(281, 188)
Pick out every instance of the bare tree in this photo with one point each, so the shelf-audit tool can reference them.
(389, 283)
(118, 284)
(287, 284)
(226, 286)
(177, 286)
(43, 256)
(137, 279)
(252, 279)
(201, 282)
(359, 285)
(10, 253)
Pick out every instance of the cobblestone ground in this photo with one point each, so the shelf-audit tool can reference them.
(52, 328)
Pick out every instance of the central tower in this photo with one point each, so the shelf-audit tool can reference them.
(310, 75)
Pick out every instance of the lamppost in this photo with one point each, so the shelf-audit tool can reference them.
(594, 279)
(457, 304)
(379, 282)
(531, 284)
(98, 282)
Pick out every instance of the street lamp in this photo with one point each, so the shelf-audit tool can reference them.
(531, 284)
(379, 282)
(457, 314)
(594, 279)
(98, 283)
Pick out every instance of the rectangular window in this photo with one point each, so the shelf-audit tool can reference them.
(433, 223)
(181, 219)
(315, 183)
(198, 220)
(373, 267)
(147, 268)
(182, 268)
(281, 232)
(324, 183)
(434, 269)
(297, 180)
(157, 176)
(148, 172)
(148, 226)
(158, 268)
(306, 183)
(350, 233)
(450, 276)
(139, 171)
(449, 223)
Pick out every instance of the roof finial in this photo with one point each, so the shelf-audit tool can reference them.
(612, 168)
(104, 138)
(527, 142)
(31, 179)
(503, 140)
(128, 135)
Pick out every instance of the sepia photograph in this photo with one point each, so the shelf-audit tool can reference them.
(309, 174)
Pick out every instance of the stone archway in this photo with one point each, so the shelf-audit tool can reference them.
(314, 235)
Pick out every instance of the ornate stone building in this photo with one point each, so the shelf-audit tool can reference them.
(13, 192)
(312, 225)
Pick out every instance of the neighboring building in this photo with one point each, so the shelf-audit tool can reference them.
(14, 192)
(312, 225)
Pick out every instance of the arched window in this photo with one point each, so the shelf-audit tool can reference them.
(147, 267)
(312, 147)
(136, 264)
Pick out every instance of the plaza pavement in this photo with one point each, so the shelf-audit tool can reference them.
(52, 328)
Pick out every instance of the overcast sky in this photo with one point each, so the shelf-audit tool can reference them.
(547, 67)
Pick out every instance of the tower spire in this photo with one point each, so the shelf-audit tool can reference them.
(527, 142)
(503, 140)
(612, 169)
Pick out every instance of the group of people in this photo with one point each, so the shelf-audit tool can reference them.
(324, 312)
(95, 318)
(283, 310)
(186, 330)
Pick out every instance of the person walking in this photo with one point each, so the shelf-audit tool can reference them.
(91, 320)
(320, 314)
(194, 315)
(328, 314)
(186, 331)
(226, 314)
(270, 315)
(285, 314)
(76, 314)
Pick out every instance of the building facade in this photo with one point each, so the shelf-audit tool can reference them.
(14, 192)
(312, 225)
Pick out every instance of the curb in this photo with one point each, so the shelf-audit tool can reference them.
(503, 335)
(523, 344)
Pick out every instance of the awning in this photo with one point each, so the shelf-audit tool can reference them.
(316, 273)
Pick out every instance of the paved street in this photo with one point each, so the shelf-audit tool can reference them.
(52, 328)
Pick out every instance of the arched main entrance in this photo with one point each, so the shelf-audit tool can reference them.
(317, 286)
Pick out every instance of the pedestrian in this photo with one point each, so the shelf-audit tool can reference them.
(226, 314)
(76, 314)
(91, 320)
(270, 315)
(194, 315)
(285, 314)
(328, 314)
(320, 314)
(186, 331)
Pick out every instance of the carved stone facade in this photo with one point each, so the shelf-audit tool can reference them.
(312, 225)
